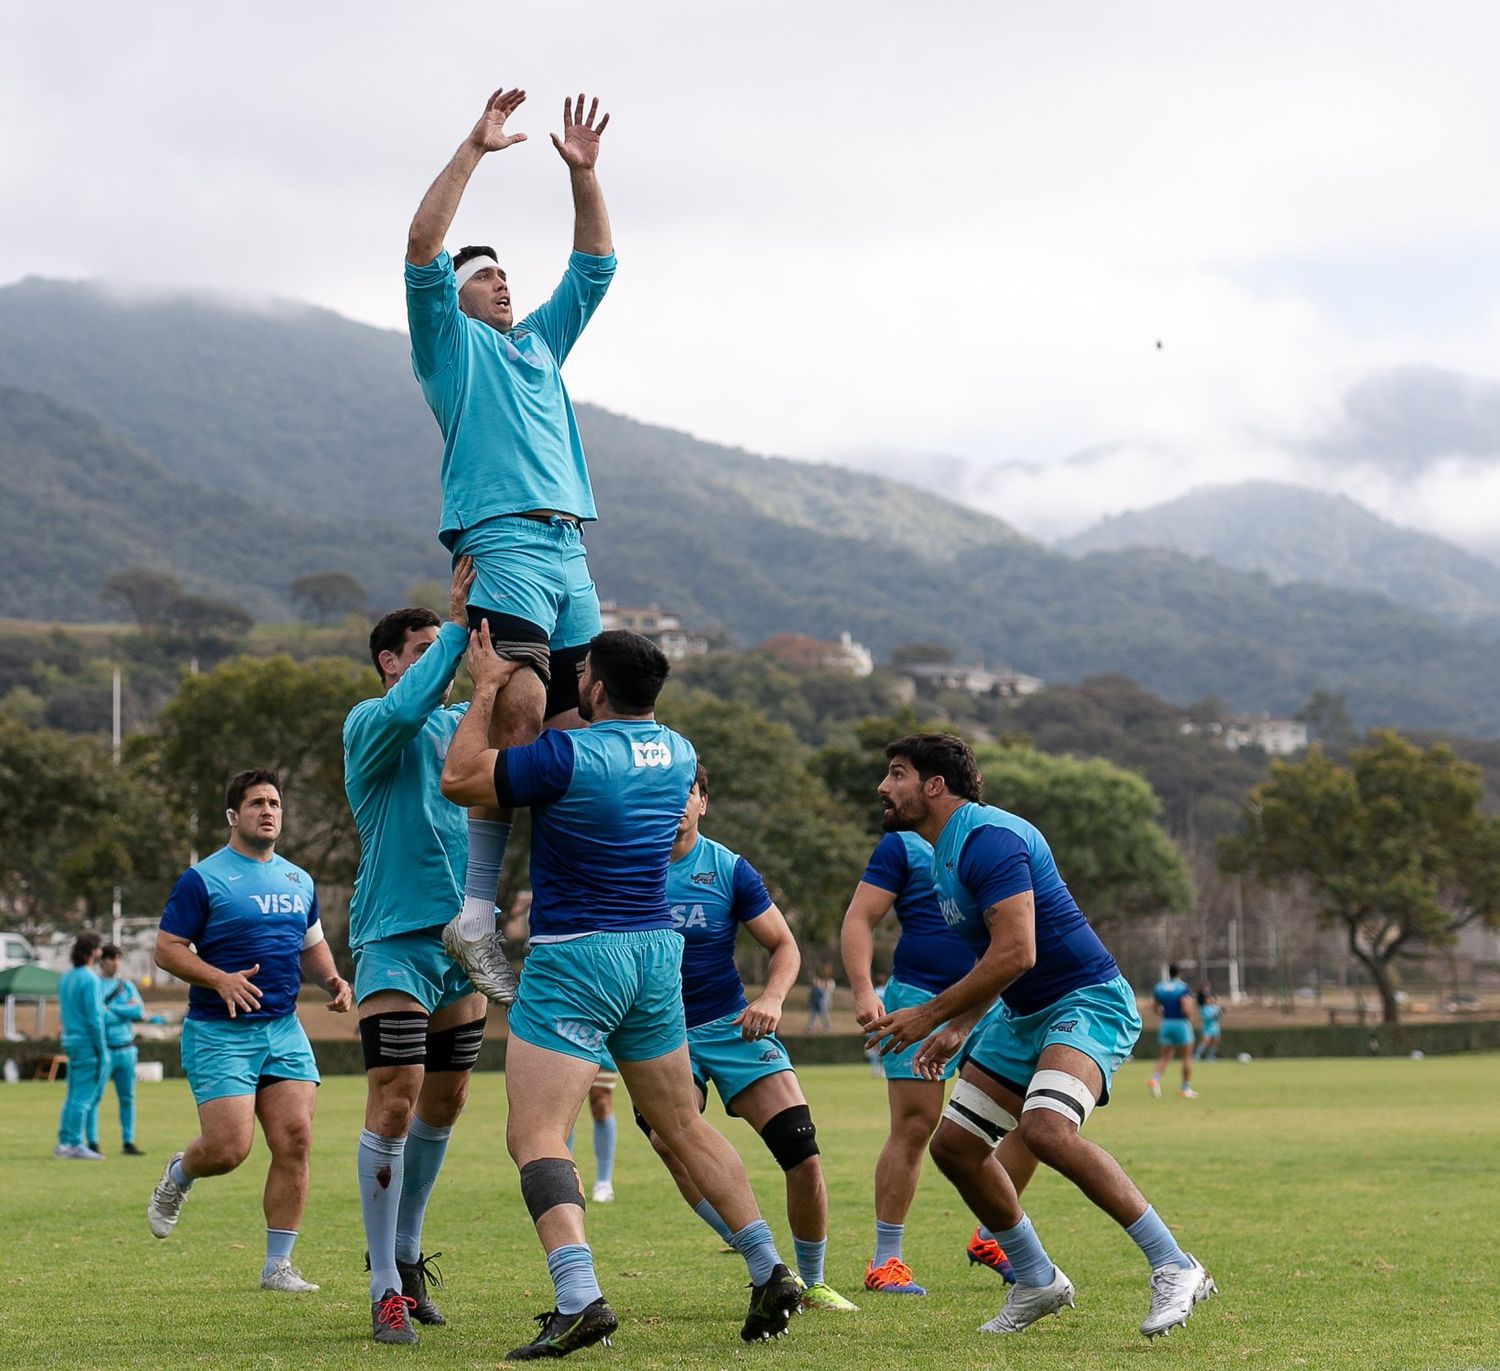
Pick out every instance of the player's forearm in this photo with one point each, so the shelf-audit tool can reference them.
(467, 779)
(318, 966)
(590, 219)
(781, 975)
(857, 947)
(977, 991)
(434, 216)
(182, 962)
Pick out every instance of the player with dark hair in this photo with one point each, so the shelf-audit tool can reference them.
(516, 490)
(241, 928)
(420, 1019)
(605, 969)
(1173, 999)
(732, 1043)
(83, 1039)
(123, 1009)
(928, 959)
(1044, 1063)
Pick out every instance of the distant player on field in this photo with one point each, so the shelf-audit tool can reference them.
(420, 1020)
(605, 969)
(1174, 1034)
(81, 1007)
(732, 1044)
(516, 489)
(1210, 1012)
(929, 958)
(1040, 1066)
(241, 928)
(123, 1009)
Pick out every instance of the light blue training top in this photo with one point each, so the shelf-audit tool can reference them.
(413, 844)
(82, 1012)
(510, 441)
(123, 1008)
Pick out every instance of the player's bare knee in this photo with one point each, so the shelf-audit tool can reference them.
(292, 1142)
(956, 1152)
(1049, 1136)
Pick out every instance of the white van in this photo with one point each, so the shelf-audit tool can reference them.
(15, 951)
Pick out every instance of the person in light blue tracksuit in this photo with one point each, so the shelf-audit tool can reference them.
(123, 1009)
(88, 1052)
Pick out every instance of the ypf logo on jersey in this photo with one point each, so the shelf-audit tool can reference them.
(650, 754)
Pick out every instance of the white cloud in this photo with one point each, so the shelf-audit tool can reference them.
(846, 230)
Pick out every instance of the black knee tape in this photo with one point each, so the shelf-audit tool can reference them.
(517, 640)
(641, 1121)
(456, 1048)
(548, 1182)
(567, 668)
(791, 1137)
(395, 1038)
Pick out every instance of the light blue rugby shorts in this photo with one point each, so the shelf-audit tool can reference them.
(224, 1057)
(413, 963)
(534, 570)
(722, 1057)
(1098, 1020)
(615, 992)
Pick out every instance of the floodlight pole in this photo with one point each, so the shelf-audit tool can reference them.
(115, 925)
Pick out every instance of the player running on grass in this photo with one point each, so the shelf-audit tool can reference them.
(732, 1043)
(516, 489)
(929, 957)
(1174, 1034)
(1046, 1060)
(420, 1020)
(241, 928)
(605, 968)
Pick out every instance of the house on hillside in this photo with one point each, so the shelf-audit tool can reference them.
(1275, 737)
(802, 653)
(976, 680)
(662, 626)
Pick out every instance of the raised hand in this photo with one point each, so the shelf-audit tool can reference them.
(489, 133)
(486, 666)
(458, 591)
(579, 145)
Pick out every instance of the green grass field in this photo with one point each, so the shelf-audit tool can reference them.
(1348, 1209)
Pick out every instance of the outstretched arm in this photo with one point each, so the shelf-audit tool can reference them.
(435, 214)
(579, 148)
(857, 943)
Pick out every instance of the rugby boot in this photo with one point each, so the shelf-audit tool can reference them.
(1174, 1292)
(772, 1304)
(415, 1277)
(285, 1277)
(1025, 1304)
(484, 963)
(389, 1318)
(984, 1251)
(166, 1201)
(891, 1277)
(559, 1334)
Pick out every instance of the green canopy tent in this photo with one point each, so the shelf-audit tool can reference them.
(28, 981)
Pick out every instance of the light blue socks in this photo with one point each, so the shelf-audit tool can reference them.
(1155, 1239)
(421, 1162)
(887, 1241)
(1028, 1258)
(573, 1281)
(754, 1243)
(380, 1170)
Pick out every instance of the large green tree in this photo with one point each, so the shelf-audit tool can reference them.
(74, 825)
(1104, 826)
(1393, 848)
(271, 712)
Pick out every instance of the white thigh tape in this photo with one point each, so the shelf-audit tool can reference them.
(970, 1108)
(1058, 1091)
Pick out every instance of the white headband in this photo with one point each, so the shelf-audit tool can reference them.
(472, 268)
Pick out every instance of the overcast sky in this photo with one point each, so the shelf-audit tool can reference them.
(873, 232)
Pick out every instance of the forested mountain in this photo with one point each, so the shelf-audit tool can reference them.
(1296, 534)
(308, 430)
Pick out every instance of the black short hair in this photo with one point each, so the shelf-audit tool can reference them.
(1172, 970)
(389, 635)
(83, 948)
(700, 779)
(631, 668)
(241, 781)
(468, 253)
(110, 950)
(941, 754)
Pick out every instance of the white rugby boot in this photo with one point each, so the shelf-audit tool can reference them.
(604, 1192)
(1174, 1292)
(484, 962)
(285, 1277)
(1025, 1304)
(166, 1201)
